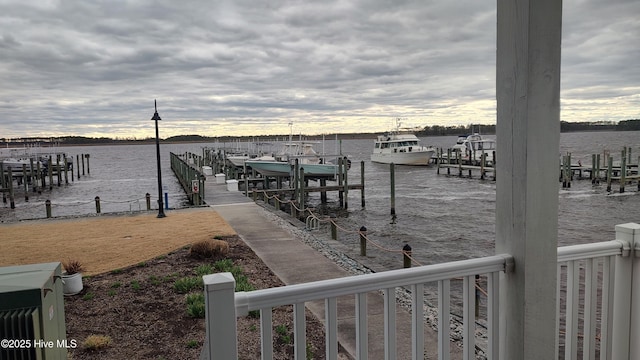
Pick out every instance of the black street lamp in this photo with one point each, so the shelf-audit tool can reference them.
(156, 117)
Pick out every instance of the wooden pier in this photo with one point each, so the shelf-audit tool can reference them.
(41, 173)
(454, 160)
(603, 169)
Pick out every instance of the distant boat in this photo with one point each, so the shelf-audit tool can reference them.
(473, 147)
(400, 148)
(314, 164)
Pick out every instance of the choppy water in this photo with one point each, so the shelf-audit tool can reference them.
(442, 217)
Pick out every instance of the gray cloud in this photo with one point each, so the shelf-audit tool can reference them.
(94, 67)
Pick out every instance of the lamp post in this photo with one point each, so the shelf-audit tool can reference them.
(156, 117)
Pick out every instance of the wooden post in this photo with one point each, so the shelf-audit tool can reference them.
(82, 157)
(346, 182)
(340, 193)
(528, 124)
(34, 182)
(334, 229)
(406, 256)
(362, 201)
(12, 200)
(24, 180)
(50, 170)
(148, 198)
(609, 173)
(3, 183)
(323, 193)
(47, 205)
(392, 174)
(58, 170)
(97, 199)
(78, 165)
(301, 186)
(66, 172)
(363, 241)
(623, 169)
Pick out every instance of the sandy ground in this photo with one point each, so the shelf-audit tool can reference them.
(107, 242)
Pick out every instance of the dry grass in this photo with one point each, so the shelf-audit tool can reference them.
(107, 242)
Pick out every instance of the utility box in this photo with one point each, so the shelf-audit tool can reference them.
(232, 185)
(220, 178)
(207, 170)
(32, 312)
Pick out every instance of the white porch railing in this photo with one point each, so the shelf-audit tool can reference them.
(594, 314)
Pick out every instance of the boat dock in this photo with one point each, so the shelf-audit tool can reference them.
(38, 172)
(295, 262)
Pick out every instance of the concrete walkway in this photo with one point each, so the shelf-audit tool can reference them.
(295, 262)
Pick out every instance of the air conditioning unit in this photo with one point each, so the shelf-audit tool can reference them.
(32, 312)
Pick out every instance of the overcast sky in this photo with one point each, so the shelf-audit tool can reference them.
(218, 67)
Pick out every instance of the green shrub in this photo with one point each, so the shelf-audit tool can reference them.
(187, 284)
(195, 305)
(204, 269)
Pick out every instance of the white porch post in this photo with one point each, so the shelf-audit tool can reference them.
(626, 317)
(221, 341)
(528, 135)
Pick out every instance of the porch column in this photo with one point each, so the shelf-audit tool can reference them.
(626, 316)
(528, 136)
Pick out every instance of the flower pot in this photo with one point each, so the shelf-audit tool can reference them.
(71, 284)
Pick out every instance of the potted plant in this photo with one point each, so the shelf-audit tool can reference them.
(72, 277)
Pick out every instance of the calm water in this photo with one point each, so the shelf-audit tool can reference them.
(443, 218)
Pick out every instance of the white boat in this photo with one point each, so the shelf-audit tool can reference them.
(314, 164)
(400, 148)
(475, 144)
(473, 147)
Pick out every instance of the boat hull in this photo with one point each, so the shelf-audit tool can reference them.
(403, 158)
(278, 168)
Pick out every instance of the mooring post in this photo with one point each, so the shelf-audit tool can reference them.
(97, 199)
(50, 170)
(362, 201)
(340, 193)
(623, 169)
(392, 174)
(58, 170)
(363, 241)
(406, 256)
(334, 228)
(82, 156)
(609, 173)
(346, 182)
(47, 205)
(66, 170)
(12, 200)
(147, 196)
(78, 165)
(25, 185)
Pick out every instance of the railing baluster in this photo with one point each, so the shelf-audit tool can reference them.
(417, 321)
(300, 332)
(469, 318)
(331, 328)
(493, 315)
(444, 319)
(590, 300)
(266, 333)
(390, 342)
(362, 334)
(571, 337)
(606, 307)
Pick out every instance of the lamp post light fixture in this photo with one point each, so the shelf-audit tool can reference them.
(156, 117)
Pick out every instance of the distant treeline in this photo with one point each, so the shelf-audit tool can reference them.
(565, 126)
(435, 130)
